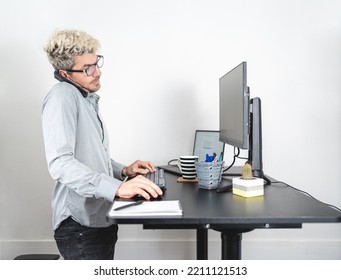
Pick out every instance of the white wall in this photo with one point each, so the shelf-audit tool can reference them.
(162, 64)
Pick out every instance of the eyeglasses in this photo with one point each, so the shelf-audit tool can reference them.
(92, 68)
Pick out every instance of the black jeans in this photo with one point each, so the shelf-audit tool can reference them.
(77, 242)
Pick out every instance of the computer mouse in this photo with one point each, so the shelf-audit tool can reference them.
(140, 197)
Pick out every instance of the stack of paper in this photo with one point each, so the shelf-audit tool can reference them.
(163, 208)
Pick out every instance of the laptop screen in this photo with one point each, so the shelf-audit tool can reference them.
(207, 142)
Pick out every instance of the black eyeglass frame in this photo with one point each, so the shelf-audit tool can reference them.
(99, 57)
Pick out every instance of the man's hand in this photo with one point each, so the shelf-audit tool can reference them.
(139, 185)
(138, 167)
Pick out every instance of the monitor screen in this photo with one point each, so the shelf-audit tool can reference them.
(234, 111)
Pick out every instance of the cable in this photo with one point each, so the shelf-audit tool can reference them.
(234, 158)
(307, 194)
(243, 158)
(170, 162)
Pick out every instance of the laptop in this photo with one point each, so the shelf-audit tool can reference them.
(206, 142)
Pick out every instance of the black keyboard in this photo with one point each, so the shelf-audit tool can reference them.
(158, 177)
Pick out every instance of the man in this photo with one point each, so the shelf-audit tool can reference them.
(77, 152)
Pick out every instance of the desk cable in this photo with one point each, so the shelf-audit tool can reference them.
(171, 162)
(235, 155)
(306, 193)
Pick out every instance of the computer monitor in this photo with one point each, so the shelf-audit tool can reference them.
(240, 122)
(234, 111)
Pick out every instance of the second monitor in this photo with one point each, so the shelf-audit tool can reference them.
(240, 121)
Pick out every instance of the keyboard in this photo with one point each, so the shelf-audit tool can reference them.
(158, 177)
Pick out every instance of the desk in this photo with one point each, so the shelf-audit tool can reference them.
(280, 207)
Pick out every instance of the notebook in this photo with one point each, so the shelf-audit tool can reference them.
(205, 142)
(145, 209)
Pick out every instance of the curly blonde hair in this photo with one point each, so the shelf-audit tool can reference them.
(65, 45)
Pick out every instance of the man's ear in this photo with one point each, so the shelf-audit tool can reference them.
(64, 74)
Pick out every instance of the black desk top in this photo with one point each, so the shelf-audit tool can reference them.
(280, 207)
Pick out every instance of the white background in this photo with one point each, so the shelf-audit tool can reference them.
(163, 60)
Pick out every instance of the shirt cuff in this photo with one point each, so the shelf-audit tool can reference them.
(117, 170)
(107, 187)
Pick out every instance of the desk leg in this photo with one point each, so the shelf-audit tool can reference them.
(231, 246)
(202, 244)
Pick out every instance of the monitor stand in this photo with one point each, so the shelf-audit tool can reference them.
(255, 140)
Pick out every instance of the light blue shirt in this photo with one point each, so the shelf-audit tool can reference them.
(77, 153)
